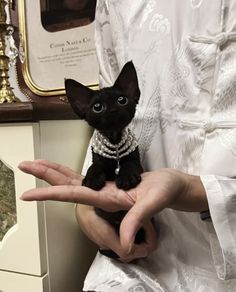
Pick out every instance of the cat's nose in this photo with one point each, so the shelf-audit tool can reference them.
(113, 110)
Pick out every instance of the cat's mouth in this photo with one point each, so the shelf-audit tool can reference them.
(111, 123)
(114, 125)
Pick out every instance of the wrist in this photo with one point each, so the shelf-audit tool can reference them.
(197, 194)
(193, 196)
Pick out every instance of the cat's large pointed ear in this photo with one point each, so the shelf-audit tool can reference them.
(127, 81)
(78, 96)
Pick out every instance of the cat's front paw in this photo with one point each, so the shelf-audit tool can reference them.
(95, 183)
(127, 182)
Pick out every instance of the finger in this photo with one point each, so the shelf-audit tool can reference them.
(105, 236)
(65, 193)
(113, 243)
(133, 221)
(143, 249)
(142, 210)
(150, 236)
(60, 168)
(130, 224)
(73, 194)
(50, 175)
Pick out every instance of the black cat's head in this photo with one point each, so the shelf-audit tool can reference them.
(110, 108)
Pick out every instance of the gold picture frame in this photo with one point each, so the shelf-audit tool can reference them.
(52, 56)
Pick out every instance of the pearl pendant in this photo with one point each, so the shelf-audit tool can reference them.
(117, 170)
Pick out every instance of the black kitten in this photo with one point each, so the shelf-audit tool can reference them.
(114, 148)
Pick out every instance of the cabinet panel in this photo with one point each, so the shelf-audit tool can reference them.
(70, 253)
(23, 248)
(13, 282)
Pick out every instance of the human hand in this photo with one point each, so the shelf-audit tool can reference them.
(97, 229)
(100, 231)
(67, 187)
(166, 188)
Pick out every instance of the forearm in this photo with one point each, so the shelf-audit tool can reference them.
(82, 211)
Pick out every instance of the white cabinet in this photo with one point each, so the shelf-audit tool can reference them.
(45, 250)
(17, 282)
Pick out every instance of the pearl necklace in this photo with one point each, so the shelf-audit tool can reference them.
(105, 148)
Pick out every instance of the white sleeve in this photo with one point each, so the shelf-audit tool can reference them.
(221, 195)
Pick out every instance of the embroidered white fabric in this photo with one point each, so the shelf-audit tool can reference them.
(186, 119)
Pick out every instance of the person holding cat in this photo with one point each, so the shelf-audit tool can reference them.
(184, 54)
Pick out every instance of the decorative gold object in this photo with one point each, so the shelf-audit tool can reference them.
(6, 92)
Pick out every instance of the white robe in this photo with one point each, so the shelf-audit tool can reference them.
(185, 55)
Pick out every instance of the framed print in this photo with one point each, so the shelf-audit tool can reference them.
(57, 38)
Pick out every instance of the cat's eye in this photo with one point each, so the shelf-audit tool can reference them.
(122, 100)
(98, 107)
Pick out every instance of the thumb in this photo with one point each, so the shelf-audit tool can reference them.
(144, 209)
(130, 225)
